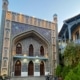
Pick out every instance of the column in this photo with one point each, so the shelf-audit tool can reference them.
(37, 68)
(4, 61)
(24, 68)
(69, 29)
(65, 37)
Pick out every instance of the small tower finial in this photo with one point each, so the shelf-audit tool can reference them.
(5, 5)
(55, 18)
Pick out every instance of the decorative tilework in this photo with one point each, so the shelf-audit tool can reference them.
(18, 28)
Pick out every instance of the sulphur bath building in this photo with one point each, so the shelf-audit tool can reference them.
(28, 45)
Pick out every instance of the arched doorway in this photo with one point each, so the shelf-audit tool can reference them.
(42, 51)
(18, 48)
(30, 69)
(31, 50)
(17, 68)
(41, 68)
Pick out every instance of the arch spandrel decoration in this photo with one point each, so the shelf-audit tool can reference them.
(30, 33)
(18, 28)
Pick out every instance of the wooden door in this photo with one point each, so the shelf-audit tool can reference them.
(41, 68)
(30, 69)
(17, 68)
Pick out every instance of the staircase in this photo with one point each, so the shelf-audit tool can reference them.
(29, 78)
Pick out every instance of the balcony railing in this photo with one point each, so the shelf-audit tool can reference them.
(77, 41)
(26, 53)
(30, 58)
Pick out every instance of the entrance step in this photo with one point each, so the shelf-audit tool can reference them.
(29, 78)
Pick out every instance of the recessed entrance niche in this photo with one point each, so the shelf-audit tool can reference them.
(41, 68)
(30, 69)
(17, 68)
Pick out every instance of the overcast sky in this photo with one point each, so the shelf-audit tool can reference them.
(45, 9)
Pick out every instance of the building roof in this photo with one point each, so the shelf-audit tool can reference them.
(73, 18)
(64, 27)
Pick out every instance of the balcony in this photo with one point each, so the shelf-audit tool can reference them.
(24, 55)
(77, 41)
(30, 57)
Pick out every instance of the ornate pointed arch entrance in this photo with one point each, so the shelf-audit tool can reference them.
(31, 49)
(30, 69)
(41, 68)
(17, 68)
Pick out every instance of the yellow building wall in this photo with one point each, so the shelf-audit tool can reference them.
(31, 20)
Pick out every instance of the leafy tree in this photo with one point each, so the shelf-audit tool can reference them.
(74, 74)
(65, 71)
(70, 60)
(72, 55)
(77, 54)
(58, 70)
(61, 58)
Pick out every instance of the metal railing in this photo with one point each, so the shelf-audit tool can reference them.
(77, 41)
(26, 53)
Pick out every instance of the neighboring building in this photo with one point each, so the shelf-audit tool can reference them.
(28, 45)
(70, 32)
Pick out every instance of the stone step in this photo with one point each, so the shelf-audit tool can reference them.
(28, 78)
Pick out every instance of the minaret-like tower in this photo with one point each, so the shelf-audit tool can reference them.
(54, 45)
(55, 18)
(3, 49)
(5, 5)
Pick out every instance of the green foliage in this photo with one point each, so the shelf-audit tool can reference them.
(58, 70)
(71, 67)
(71, 76)
(69, 54)
(72, 55)
(62, 71)
(76, 70)
(65, 71)
(74, 74)
(77, 53)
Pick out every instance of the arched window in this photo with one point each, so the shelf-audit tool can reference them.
(31, 50)
(18, 48)
(42, 51)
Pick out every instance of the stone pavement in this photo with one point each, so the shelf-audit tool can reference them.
(28, 78)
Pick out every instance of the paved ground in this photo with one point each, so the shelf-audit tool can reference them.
(28, 78)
